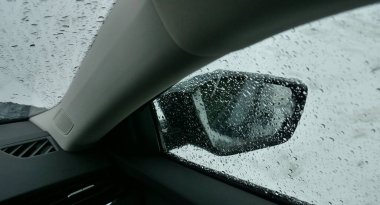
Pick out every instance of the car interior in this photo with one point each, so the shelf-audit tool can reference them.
(100, 144)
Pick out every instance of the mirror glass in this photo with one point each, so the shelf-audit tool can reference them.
(235, 112)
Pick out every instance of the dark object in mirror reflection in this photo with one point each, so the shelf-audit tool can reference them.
(227, 112)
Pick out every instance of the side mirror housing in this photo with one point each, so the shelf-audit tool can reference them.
(227, 112)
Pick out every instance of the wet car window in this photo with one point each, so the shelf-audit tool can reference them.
(42, 44)
(333, 153)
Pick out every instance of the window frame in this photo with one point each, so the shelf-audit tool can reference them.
(257, 190)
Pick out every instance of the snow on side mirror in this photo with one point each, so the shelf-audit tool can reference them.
(228, 112)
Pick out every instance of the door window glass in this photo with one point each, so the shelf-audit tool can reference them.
(333, 155)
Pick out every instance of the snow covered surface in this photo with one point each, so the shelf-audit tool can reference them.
(42, 44)
(334, 154)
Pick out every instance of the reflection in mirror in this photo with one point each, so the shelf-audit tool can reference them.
(230, 112)
(236, 113)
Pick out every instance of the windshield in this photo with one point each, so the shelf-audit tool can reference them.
(42, 44)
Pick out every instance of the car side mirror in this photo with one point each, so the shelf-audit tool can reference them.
(227, 112)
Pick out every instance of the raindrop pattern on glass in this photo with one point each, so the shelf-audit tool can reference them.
(333, 156)
(42, 44)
